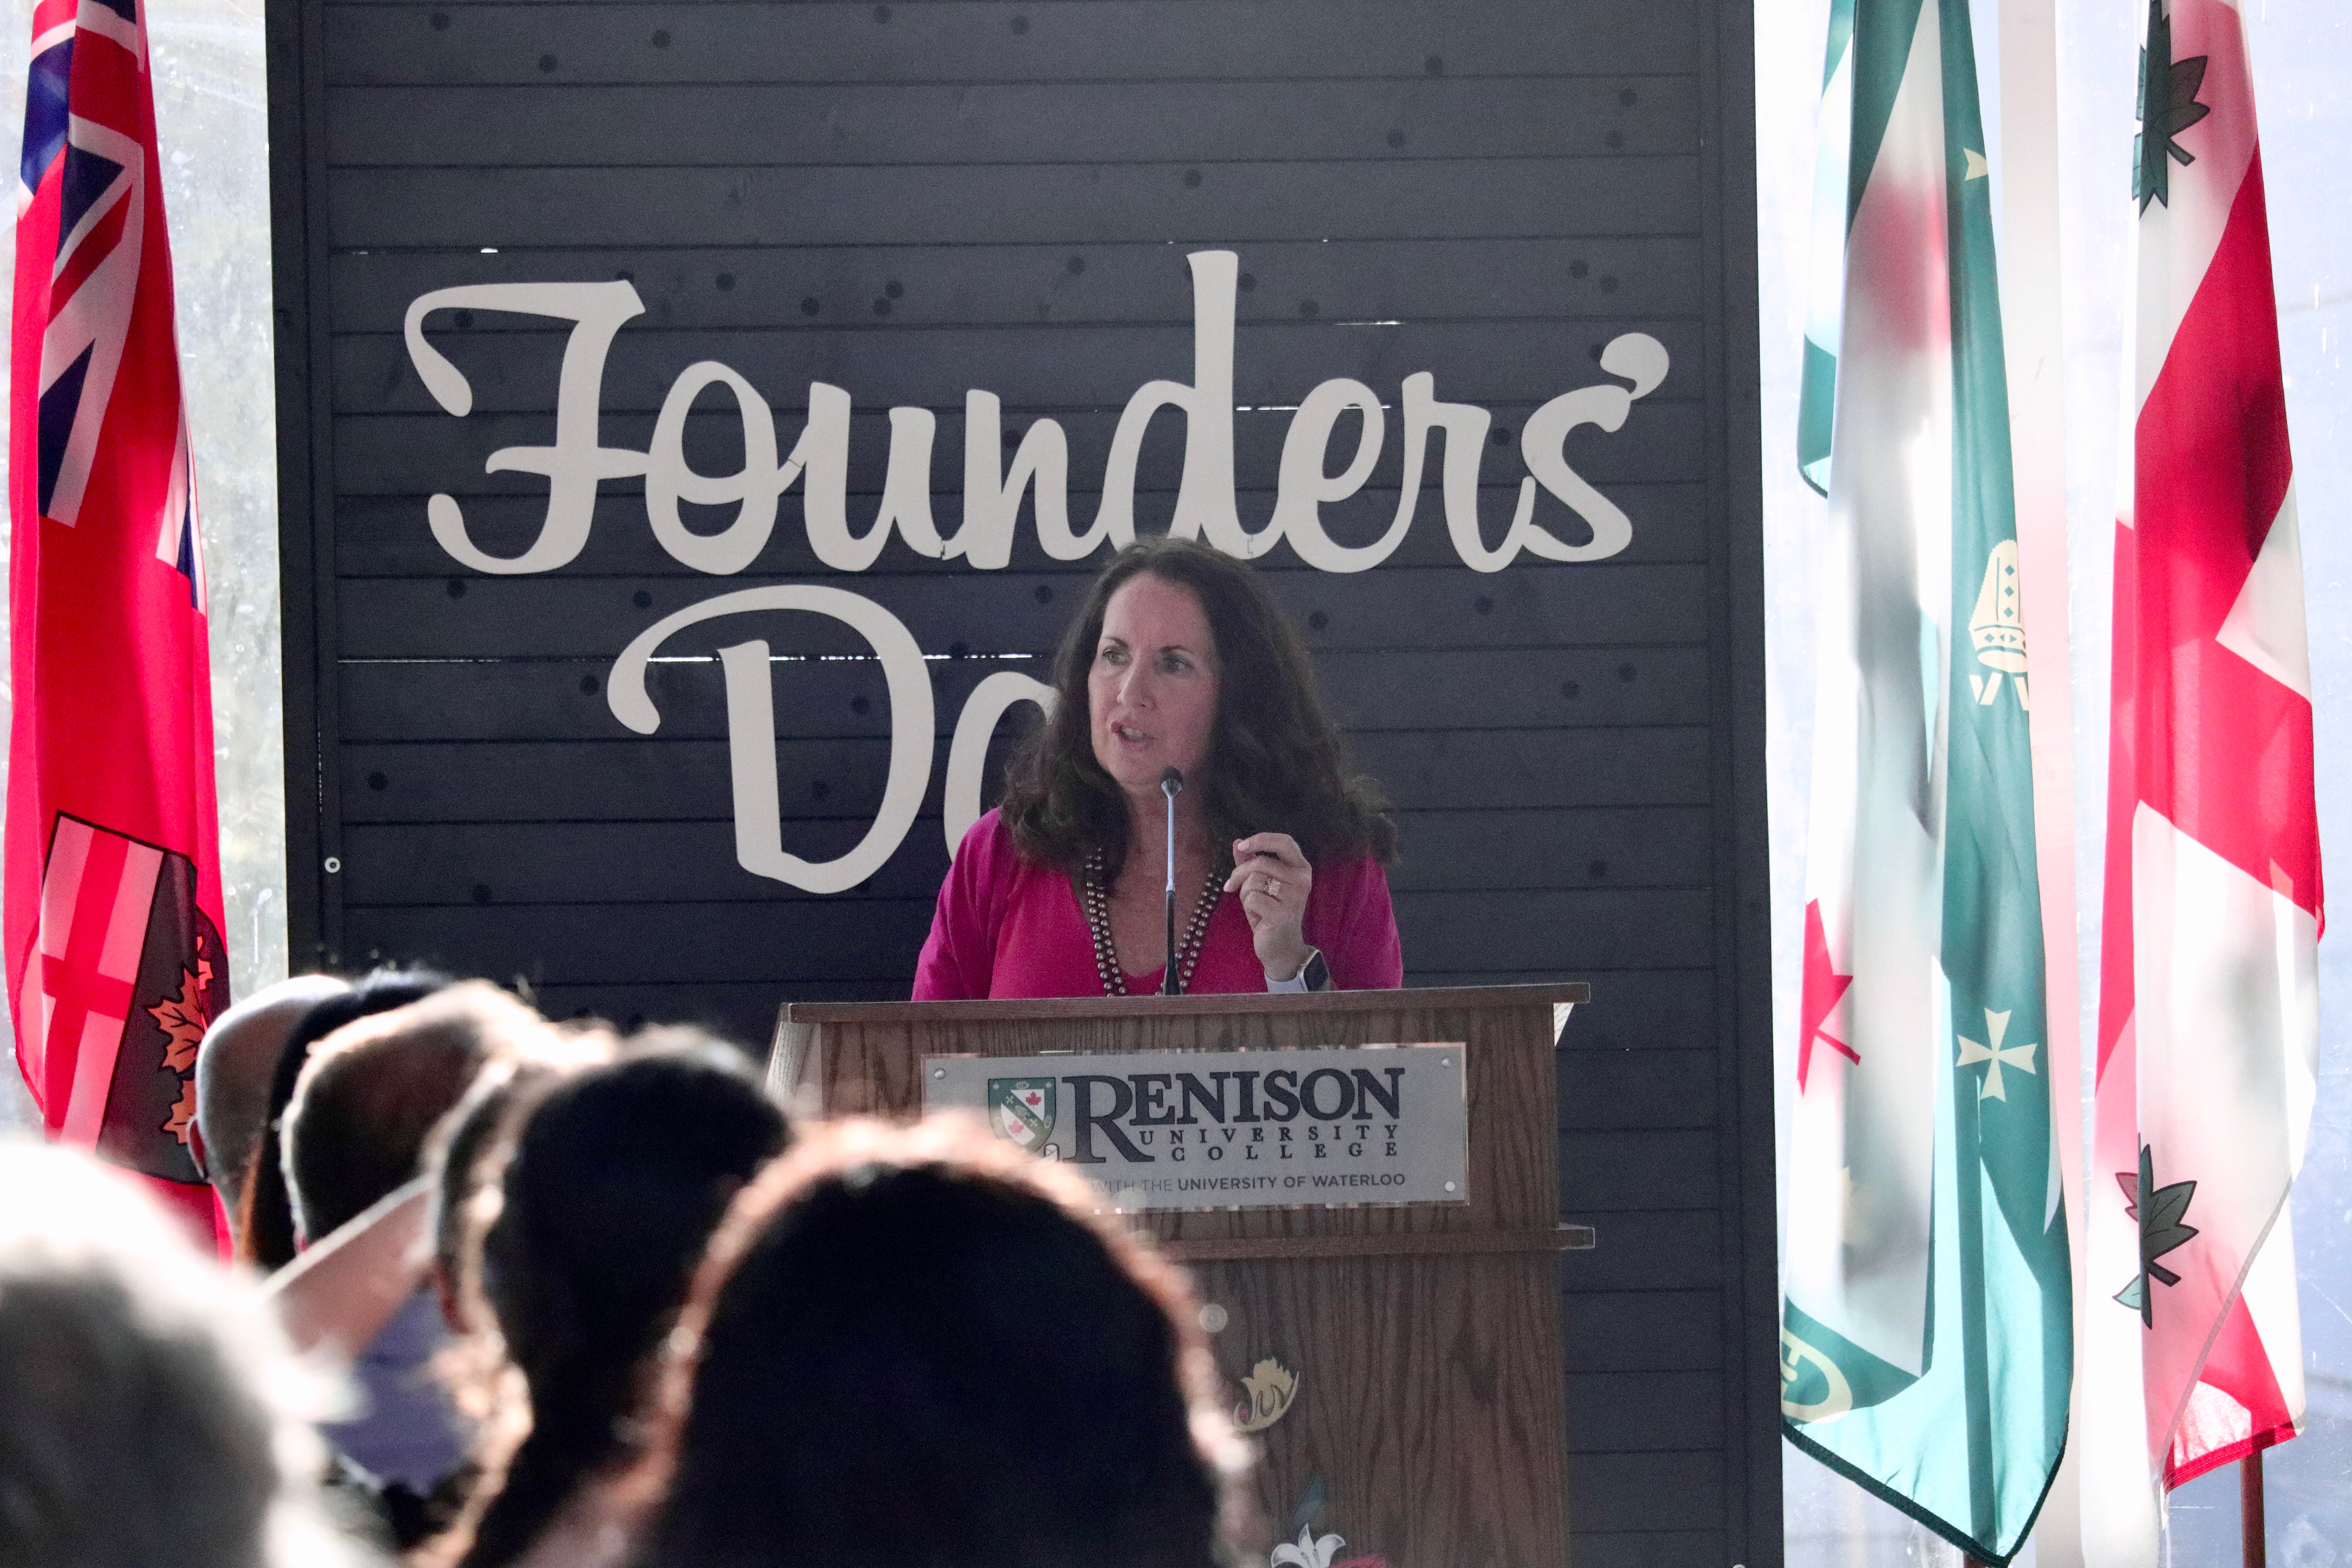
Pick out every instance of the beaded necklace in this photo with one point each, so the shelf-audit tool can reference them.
(1098, 907)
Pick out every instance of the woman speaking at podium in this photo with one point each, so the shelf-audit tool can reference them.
(1180, 690)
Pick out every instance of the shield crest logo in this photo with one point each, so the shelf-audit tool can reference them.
(1022, 1110)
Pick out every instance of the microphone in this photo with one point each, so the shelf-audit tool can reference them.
(1171, 784)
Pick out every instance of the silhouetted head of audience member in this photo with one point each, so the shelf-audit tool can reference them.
(265, 1228)
(916, 1348)
(373, 1090)
(150, 1409)
(234, 1063)
(468, 1150)
(613, 1178)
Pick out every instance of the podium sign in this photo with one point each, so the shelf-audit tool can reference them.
(1181, 1129)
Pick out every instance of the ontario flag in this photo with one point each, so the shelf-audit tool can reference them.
(2208, 1005)
(115, 965)
(1927, 1331)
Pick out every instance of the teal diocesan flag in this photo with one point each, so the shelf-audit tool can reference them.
(1927, 1337)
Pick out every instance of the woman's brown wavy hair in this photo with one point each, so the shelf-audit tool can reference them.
(1276, 761)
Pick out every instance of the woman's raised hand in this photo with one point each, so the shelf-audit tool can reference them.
(1273, 878)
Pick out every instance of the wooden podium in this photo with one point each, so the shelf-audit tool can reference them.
(1428, 1425)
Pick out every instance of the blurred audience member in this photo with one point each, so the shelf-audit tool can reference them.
(469, 1148)
(354, 1132)
(592, 1217)
(915, 1348)
(346, 1287)
(234, 1062)
(373, 1090)
(150, 1410)
(265, 1225)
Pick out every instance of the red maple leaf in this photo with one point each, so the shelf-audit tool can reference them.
(1824, 989)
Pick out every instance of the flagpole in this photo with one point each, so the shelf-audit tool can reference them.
(2253, 1544)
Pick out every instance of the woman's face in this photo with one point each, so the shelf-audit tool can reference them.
(1151, 696)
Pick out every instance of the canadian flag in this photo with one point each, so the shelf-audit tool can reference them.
(2208, 1015)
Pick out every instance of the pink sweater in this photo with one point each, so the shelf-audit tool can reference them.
(1006, 926)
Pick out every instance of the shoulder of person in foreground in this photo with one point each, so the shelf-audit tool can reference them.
(345, 1289)
(959, 953)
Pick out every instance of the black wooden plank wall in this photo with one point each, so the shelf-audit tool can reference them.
(913, 199)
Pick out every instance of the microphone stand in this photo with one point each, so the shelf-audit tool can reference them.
(1171, 783)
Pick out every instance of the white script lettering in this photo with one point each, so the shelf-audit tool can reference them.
(752, 728)
(1206, 506)
(577, 463)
